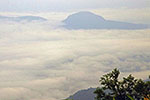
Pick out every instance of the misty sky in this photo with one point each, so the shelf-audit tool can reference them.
(67, 5)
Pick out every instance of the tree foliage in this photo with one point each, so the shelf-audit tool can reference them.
(112, 88)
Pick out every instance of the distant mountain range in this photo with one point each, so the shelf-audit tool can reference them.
(82, 20)
(83, 95)
(23, 18)
(88, 20)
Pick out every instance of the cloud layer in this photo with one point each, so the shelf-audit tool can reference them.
(41, 62)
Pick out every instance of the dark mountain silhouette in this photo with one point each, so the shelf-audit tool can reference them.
(23, 18)
(84, 95)
(88, 20)
(88, 94)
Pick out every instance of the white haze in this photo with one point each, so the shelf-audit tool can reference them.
(39, 61)
(67, 5)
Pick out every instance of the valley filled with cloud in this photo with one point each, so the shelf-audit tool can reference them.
(43, 61)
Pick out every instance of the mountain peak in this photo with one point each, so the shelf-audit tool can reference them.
(89, 20)
(87, 94)
(86, 14)
(83, 18)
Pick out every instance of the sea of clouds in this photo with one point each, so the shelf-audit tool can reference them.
(41, 61)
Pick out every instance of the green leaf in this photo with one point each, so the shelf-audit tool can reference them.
(130, 97)
(113, 98)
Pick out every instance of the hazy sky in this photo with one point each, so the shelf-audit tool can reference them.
(66, 5)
